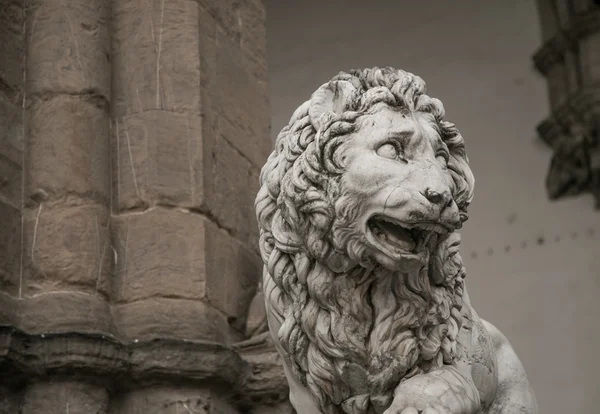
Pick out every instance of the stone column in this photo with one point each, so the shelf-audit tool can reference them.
(66, 265)
(132, 135)
(189, 131)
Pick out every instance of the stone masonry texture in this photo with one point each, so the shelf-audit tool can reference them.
(132, 133)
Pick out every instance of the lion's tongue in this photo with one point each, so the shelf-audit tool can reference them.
(396, 235)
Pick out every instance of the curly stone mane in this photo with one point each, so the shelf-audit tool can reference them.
(349, 329)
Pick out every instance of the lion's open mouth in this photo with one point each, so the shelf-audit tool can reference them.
(396, 238)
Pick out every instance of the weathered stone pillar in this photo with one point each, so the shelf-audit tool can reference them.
(66, 196)
(189, 119)
(189, 127)
(131, 137)
(65, 274)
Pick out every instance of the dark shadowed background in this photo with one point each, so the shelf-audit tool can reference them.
(533, 266)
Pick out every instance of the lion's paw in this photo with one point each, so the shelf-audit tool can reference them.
(444, 391)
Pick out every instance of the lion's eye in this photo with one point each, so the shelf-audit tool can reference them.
(388, 150)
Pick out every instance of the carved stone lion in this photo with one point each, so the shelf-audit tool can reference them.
(363, 280)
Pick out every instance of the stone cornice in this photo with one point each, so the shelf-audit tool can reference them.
(266, 383)
(107, 359)
(251, 371)
(554, 49)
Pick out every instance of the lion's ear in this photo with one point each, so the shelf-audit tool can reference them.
(332, 98)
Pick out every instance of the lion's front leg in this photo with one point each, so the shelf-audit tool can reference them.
(514, 394)
(443, 391)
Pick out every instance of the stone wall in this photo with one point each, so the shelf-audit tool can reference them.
(132, 133)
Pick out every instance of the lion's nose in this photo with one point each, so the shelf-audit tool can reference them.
(440, 198)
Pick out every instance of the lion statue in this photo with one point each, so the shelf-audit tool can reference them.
(363, 280)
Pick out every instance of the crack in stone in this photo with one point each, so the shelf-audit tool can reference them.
(160, 34)
(103, 253)
(151, 25)
(74, 38)
(35, 229)
(135, 183)
(201, 211)
(190, 164)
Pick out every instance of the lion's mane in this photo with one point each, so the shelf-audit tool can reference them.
(349, 329)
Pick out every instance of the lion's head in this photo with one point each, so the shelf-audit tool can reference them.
(357, 210)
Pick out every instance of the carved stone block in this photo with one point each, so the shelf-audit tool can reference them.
(240, 101)
(155, 318)
(67, 151)
(159, 159)
(157, 56)
(182, 257)
(66, 248)
(167, 158)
